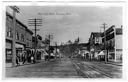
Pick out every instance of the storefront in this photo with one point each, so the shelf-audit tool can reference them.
(111, 55)
(19, 51)
(8, 51)
(119, 55)
(38, 53)
(101, 55)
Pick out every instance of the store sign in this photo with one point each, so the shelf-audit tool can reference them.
(8, 45)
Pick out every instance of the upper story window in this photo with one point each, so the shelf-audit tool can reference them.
(22, 37)
(9, 32)
(17, 35)
(97, 40)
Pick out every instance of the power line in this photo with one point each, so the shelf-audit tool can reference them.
(35, 22)
(104, 27)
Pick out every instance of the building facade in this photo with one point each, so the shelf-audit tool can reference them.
(113, 43)
(39, 43)
(20, 37)
(95, 44)
(29, 34)
(40, 46)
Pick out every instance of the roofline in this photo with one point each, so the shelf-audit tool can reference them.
(7, 13)
(29, 31)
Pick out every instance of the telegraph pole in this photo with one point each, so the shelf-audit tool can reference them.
(56, 48)
(15, 10)
(49, 37)
(35, 22)
(104, 27)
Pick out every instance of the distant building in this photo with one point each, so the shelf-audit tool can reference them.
(40, 46)
(29, 34)
(39, 43)
(83, 46)
(21, 35)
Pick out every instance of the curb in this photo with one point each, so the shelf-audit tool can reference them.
(24, 64)
(113, 63)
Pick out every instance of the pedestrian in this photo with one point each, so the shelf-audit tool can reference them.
(17, 60)
(29, 56)
(32, 59)
(24, 57)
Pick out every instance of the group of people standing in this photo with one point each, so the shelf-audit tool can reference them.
(24, 56)
(28, 56)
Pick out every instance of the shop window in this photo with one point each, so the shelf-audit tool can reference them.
(111, 55)
(8, 55)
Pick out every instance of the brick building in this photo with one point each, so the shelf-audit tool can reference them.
(22, 35)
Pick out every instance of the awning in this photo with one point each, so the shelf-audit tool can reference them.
(101, 53)
(19, 46)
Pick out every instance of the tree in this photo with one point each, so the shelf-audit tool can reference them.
(69, 42)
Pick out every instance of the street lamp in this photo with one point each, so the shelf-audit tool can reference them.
(35, 22)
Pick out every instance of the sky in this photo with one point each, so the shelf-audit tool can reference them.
(70, 22)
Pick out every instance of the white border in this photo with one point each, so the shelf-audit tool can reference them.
(70, 3)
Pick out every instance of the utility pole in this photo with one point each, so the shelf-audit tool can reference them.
(56, 48)
(35, 22)
(49, 38)
(104, 27)
(15, 10)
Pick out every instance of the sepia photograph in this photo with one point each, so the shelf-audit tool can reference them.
(63, 41)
